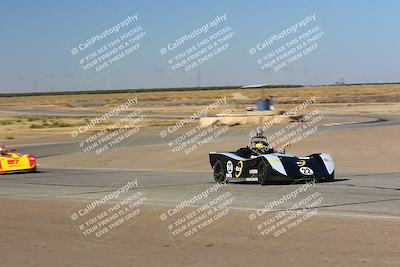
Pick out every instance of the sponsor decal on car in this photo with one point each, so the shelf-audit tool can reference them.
(301, 163)
(254, 171)
(229, 167)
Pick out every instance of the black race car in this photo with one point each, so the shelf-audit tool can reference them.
(260, 162)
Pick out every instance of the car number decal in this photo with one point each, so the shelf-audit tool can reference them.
(306, 171)
(238, 169)
(13, 161)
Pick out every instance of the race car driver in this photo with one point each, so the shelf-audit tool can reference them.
(3, 151)
(262, 148)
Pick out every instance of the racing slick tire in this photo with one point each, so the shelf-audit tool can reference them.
(331, 177)
(219, 174)
(264, 170)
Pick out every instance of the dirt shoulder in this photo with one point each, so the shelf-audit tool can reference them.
(38, 233)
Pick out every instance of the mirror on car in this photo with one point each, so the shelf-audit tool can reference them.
(286, 145)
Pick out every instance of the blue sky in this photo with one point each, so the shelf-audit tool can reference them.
(360, 43)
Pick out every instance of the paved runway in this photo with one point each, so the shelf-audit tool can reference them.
(364, 194)
(371, 195)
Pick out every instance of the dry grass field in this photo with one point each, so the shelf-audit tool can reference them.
(159, 99)
(356, 99)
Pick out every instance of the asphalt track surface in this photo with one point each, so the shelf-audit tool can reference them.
(374, 195)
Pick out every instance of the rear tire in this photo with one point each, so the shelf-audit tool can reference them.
(264, 170)
(219, 174)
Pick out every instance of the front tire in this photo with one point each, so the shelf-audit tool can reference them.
(331, 177)
(264, 170)
(219, 174)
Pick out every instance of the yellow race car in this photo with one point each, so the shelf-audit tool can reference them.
(15, 162)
